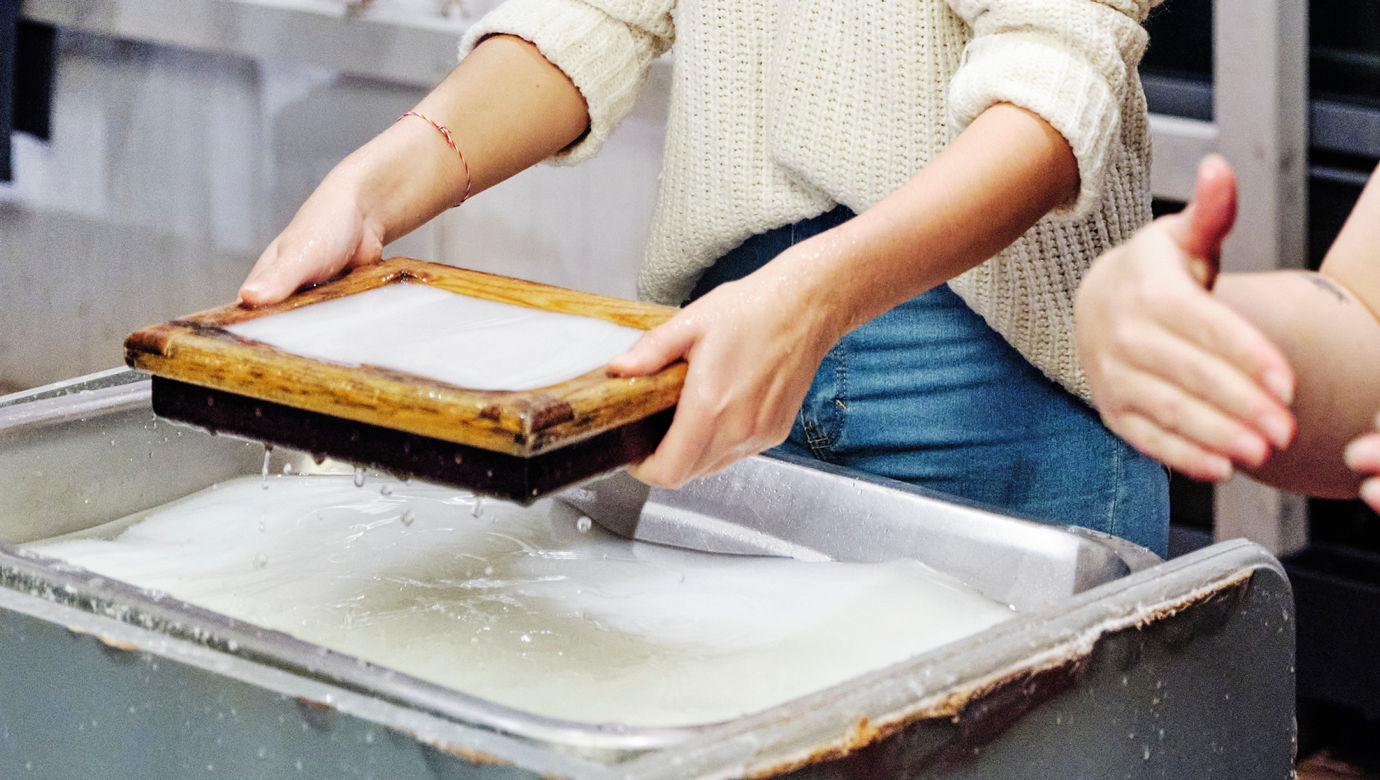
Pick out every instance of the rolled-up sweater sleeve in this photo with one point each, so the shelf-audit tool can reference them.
(1067, 61)
(604, 47)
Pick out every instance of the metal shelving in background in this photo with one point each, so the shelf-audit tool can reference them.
(1298, 116)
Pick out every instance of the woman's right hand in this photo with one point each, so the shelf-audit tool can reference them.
(329, 234)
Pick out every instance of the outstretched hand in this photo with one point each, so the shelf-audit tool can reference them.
(753, 350)
(1173, 370)
(328, 234)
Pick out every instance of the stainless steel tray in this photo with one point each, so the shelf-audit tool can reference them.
(87, 451)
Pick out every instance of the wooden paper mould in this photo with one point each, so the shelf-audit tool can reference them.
(517, 445)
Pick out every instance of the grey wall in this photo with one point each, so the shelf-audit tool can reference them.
(169, 170)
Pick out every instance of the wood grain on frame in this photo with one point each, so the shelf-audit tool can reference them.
(198, 350)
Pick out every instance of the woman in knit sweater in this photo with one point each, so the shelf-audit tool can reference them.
(877, 211)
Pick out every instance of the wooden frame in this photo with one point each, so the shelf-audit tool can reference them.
(516, 444)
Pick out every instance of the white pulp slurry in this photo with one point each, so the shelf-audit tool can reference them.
(433, 333)
(530, 607)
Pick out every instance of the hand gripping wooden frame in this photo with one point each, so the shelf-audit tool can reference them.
(517, 445)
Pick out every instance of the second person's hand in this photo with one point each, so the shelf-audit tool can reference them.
(1174, 371)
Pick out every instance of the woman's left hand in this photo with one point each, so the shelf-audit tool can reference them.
(1363, 455)
(753, 347)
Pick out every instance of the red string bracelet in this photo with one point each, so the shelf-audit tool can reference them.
(445, 133)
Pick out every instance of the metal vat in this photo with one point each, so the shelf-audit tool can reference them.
(1118, 665)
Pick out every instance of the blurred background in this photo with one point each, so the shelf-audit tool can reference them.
(182, 136)
(160, 144)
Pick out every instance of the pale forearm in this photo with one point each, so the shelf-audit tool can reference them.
(1332, 341)
(1353, 260)
(1000, 176)
(1326, 324)
(507, 108)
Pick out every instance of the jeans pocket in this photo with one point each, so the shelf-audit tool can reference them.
(820, 422)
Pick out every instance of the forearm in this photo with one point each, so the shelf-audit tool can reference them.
(1353, 260)
(1000, 176)
(1333, 343)
(507, 108)
(1326, 324)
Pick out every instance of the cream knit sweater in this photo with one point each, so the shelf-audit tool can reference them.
(781, 109)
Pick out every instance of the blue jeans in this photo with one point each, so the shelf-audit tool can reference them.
(929, 394)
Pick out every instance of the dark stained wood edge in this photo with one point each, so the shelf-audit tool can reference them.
(153, 339)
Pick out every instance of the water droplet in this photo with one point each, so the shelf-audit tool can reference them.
(268, 452)
(525, 638)
(359, 477)
(287, 468)
(583, 524)
(385, 490)
(407, 517)
(478, 506)
(260, 560)
(488, 571)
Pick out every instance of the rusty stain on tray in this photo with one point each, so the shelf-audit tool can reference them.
(970, 708)
(476, 757)
(117, 644)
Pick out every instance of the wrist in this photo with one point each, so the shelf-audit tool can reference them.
(350, 187)
(395, 181)
(819, 278)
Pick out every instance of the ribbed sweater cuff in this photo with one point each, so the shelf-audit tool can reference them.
(602, 56)
(1039, 74)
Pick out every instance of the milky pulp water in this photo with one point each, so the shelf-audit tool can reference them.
(530, 607)
(429, 332)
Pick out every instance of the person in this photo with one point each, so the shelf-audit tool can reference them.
(875, 213)
(1274, 373)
